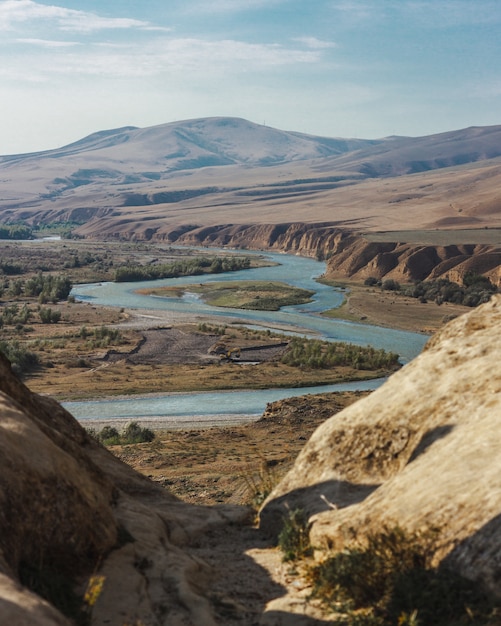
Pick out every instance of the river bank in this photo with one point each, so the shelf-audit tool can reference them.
(388, 309)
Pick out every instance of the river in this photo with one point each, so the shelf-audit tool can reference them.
(295, 270)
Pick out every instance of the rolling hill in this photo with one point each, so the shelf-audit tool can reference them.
(143, 183)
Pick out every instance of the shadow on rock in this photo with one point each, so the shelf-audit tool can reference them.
(331, 494)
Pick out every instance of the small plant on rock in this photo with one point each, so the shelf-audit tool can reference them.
(294, 538)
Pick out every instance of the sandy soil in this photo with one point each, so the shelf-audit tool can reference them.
(384, 308)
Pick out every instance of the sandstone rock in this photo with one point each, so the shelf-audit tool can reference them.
(422, 451)
(69, 509)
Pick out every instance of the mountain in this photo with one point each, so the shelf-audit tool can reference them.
(135, 182)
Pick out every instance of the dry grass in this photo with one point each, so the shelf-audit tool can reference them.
(233, 464)
(371, 305)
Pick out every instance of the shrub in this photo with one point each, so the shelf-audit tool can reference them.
(133, 433)
(22, 360)
(48, 316)
(389, 581)
(294, 538)
(390, 285)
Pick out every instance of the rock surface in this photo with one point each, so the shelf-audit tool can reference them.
(422, 451)
(69, 509)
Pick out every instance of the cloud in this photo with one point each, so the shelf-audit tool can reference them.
(230, 6)
(47, 43)
(17, 12)
(315, 44)
(159, 56)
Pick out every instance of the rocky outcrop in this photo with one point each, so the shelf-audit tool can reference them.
(420, 452)
(69, 509)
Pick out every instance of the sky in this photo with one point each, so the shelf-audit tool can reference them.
(335, 68)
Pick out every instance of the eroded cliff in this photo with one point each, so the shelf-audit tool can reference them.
(350, 255)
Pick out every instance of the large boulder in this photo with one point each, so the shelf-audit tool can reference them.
(71, 513)
(422, 451)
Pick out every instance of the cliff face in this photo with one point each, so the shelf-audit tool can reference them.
(68, 508)
(359, 258)
(350, 256)
(422, 451)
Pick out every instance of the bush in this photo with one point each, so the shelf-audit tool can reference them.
(389, 581)
(294, 538)
(133, 433)
(476, 290)
(390, 285)
(48, 316)
(316, 354)
(22, 360)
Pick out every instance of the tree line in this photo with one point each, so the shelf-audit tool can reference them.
(316, 354)
(190, 267)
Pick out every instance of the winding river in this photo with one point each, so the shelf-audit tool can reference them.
(295, 270)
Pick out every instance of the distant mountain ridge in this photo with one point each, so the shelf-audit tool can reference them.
(228, 140)
(225, 170)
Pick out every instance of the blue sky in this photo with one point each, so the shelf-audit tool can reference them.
(338, 68)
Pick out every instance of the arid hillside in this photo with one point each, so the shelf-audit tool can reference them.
(372, 207)
(148, 183)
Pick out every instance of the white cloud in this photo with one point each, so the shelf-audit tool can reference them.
(315, 44)
(47, 43)
(226, 6)
(16, 12)
(158, 57)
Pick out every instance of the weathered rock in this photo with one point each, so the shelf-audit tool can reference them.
(69, 509)
(422, 451)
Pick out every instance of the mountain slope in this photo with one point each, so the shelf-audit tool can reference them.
(229, 170)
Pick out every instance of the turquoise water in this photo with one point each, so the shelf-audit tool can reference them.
(295, 270)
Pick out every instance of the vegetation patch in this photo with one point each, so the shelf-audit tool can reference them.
(294, 539)
(132, 433)
(254, 295)
(188, 267)
(389, 581)
(475, 290)
(315, 354)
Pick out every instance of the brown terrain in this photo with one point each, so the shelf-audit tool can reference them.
(422, 450)
(358, 202)
(177, 542)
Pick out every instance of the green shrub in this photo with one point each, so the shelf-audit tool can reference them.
(294, 538)
(315, 354)
(390, 285)
(389, 581)
(48, 316)
(133, 433)
(22, 360)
